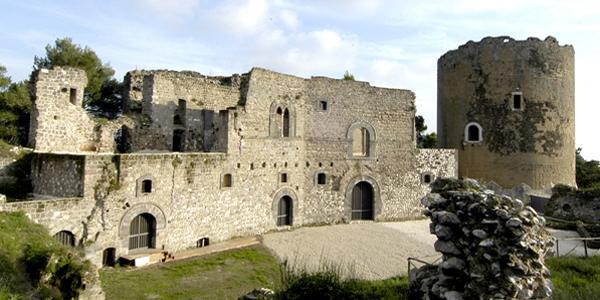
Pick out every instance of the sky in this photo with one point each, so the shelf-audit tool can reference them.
(392, 44)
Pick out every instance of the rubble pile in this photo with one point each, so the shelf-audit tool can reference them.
(493, 246)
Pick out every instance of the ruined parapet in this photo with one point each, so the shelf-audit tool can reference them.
(509, 107)
(493, 246)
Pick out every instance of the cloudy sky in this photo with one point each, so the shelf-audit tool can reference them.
(388, 43)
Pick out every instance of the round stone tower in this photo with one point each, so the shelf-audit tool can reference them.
(509, 108)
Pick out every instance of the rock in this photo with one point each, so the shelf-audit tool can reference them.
(443, 232)
(453, 295)
(259, 294)
(447, 218)
(514, 223)
(480, 234)
(446, 247)
(453, 267)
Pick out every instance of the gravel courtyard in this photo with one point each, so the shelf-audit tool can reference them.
(365, 250)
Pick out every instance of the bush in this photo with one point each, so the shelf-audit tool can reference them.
(35, 265)
(328, 283)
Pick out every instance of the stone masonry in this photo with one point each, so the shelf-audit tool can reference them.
(222, 157)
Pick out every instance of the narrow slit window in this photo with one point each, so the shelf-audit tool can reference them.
(284, 177)
(517, 101)
(73, 96)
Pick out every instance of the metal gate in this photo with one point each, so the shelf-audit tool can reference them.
(362, 201)
(284, 211)
(142, 232)
(65, 237)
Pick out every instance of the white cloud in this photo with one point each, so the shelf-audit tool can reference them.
(241, 18)
(174, 11)
(289, 19)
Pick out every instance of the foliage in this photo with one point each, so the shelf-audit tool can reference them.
(102, 94)
(575, 277)
(34, 265)
(15, 106)
(587, 172)
(427, 141)
(225, 275)
(19, 170)
(348, 76)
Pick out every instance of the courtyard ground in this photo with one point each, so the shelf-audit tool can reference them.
(363, 250)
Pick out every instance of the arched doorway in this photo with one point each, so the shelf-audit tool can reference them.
(142, 232)
(284, 211)
(65, 237)
(362, 201)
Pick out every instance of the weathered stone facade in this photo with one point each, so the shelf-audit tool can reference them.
(518, 100)
(222, 157)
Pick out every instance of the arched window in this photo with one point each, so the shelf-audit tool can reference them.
(142, 232)
(227, 181)
(473, 133)
(362, 139)
(281, 120)
(286, 123)
(360, 142)
(284, 211)
(65, 237)
(147, 186)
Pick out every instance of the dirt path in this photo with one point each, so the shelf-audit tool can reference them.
(368, 250)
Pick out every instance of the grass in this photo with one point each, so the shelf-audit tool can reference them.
(230, 274)
(225, 275)
(575, 277)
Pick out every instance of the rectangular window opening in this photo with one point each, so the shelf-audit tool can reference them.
(284, 177)
(323, 105)
(517, 102)
(73, 96)
(321, 178)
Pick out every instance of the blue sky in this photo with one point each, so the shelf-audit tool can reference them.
(388, 43)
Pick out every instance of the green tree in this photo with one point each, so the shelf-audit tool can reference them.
(348, 76)
(587, 172)
(424, 140)
(100, 93)
(15, 106)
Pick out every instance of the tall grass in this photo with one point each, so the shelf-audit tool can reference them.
(330, 282)
(575, 277)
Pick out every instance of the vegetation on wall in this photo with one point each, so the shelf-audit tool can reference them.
(33, 265)
(103, 94)
(348, 76)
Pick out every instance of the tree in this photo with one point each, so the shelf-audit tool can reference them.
(587, 172)
(348, 76)
(15, 106)
(100, 92)
(424, 140)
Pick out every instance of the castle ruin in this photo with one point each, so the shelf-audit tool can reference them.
(197, 158)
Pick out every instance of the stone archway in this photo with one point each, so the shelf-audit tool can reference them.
(363, 200)
(152, 213)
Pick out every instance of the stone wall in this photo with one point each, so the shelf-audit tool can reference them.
(58, 175)
(59, 123)
(268, 132)
(533, 143)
